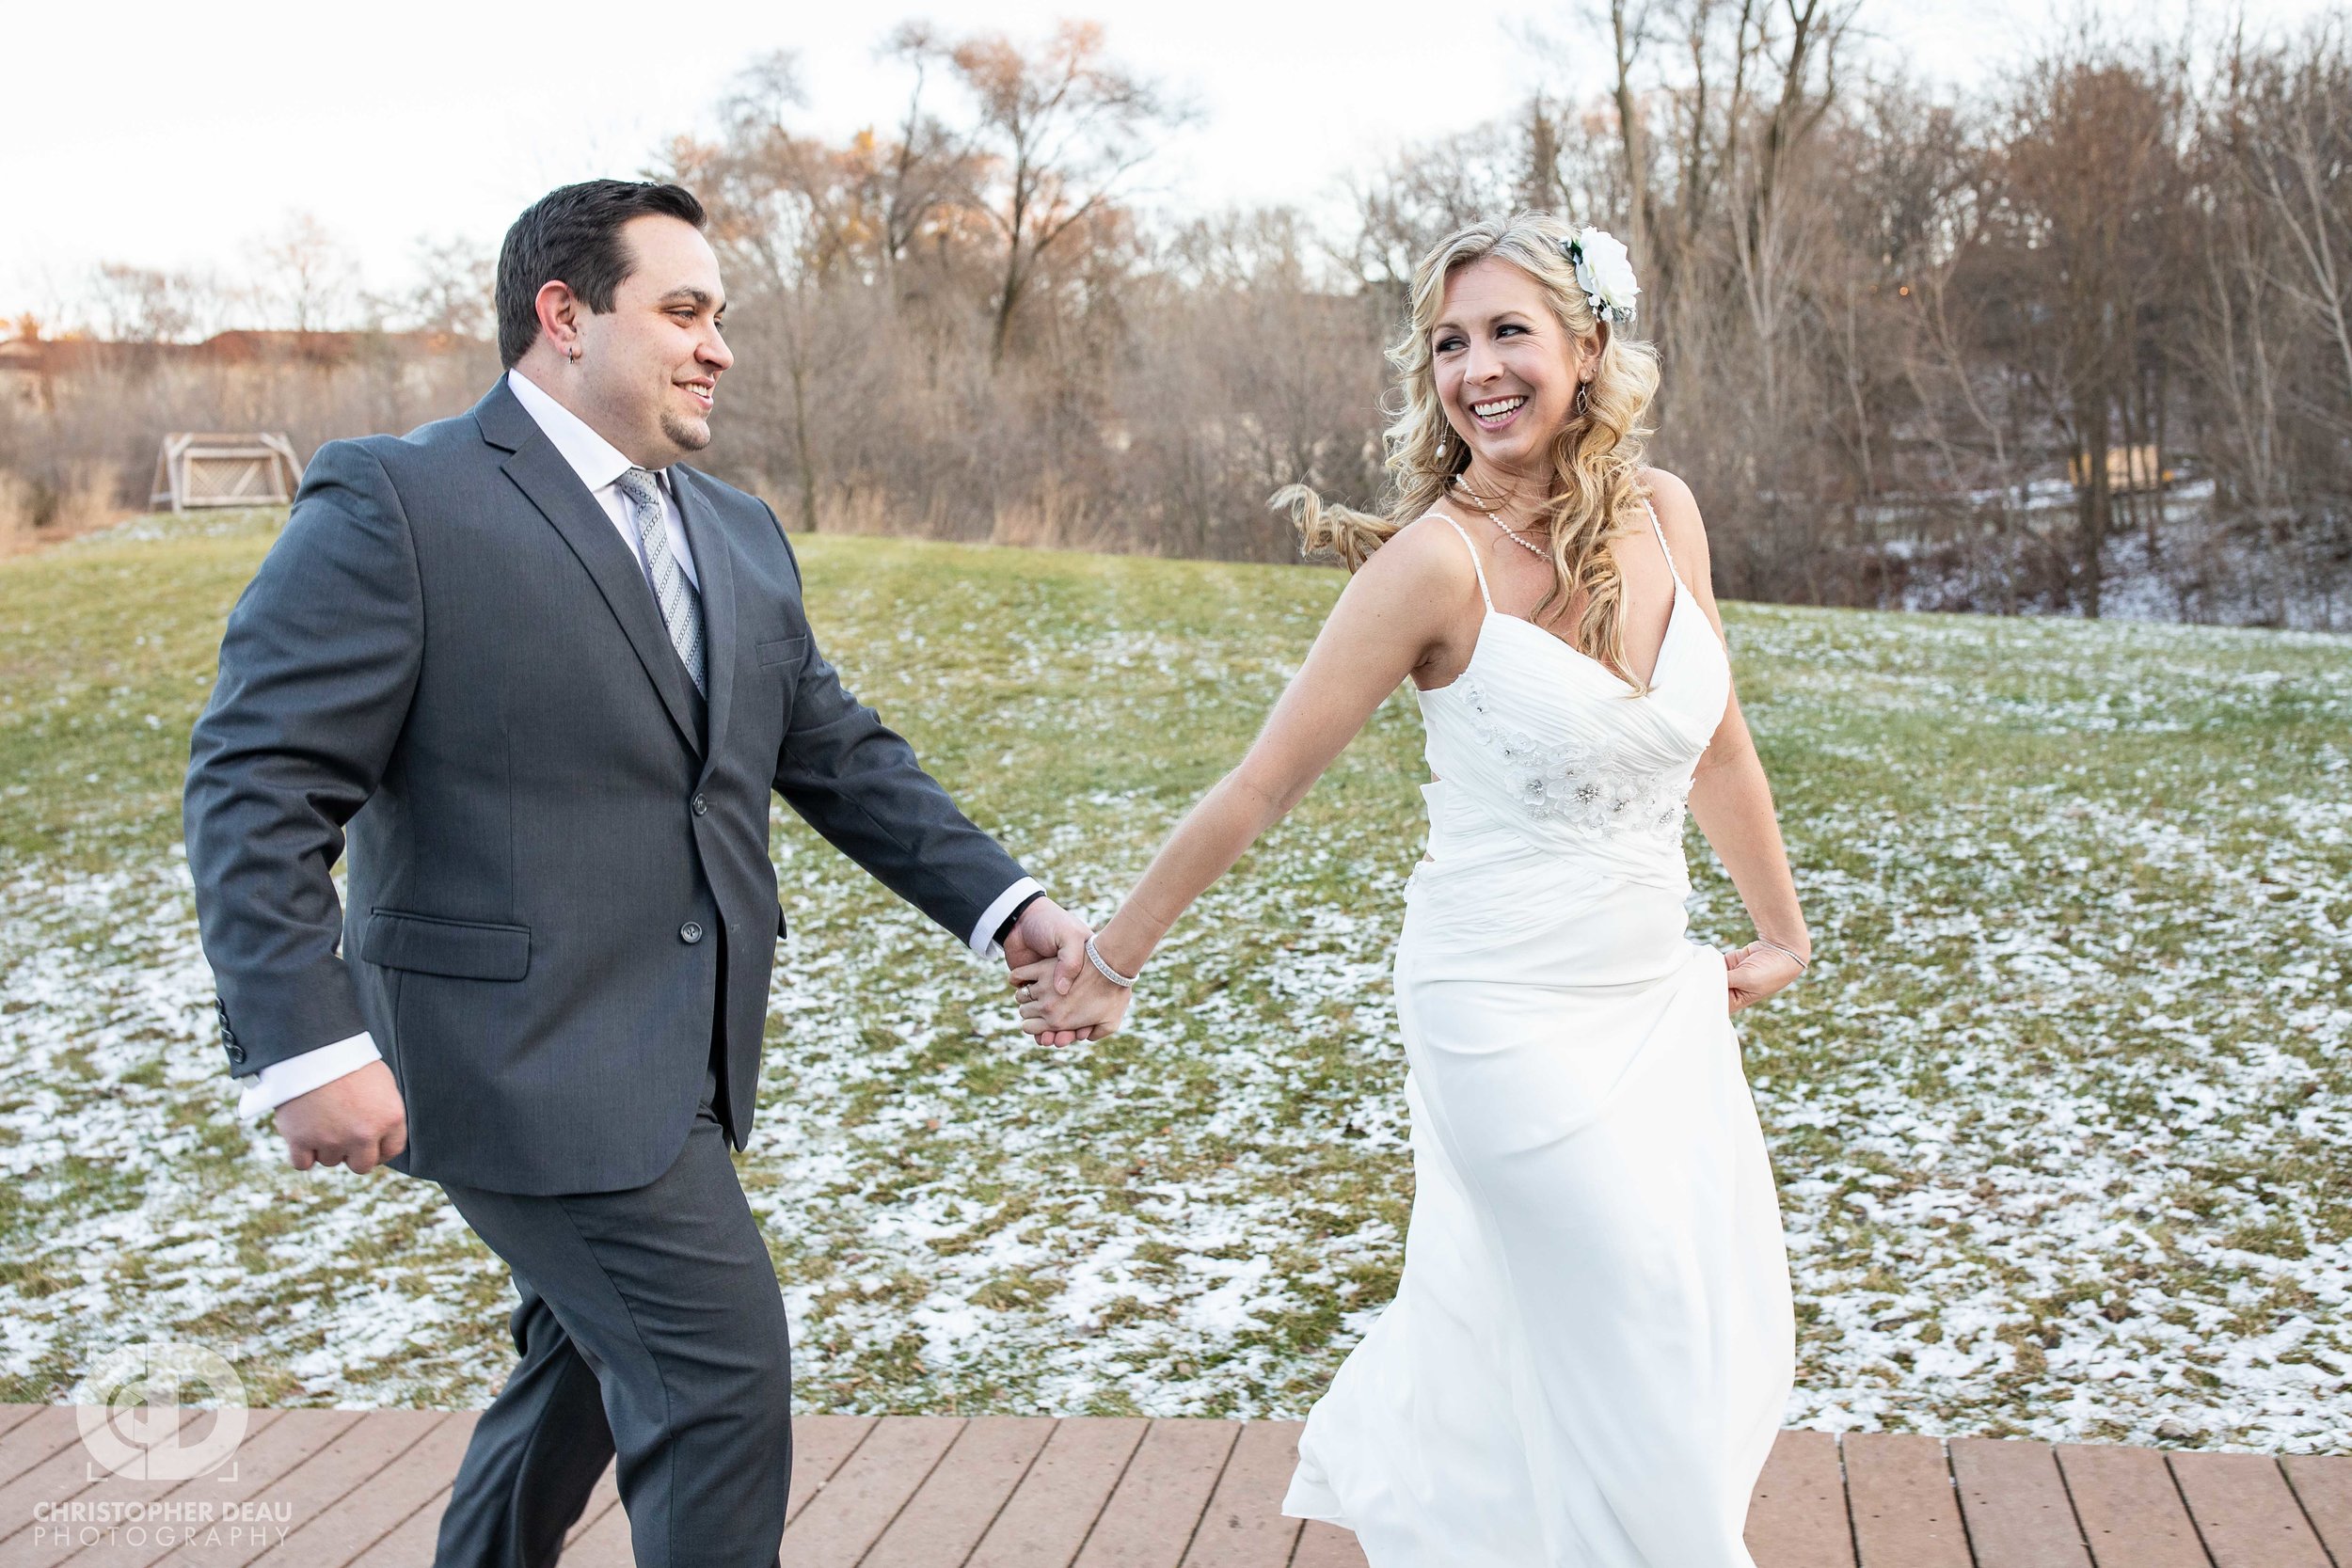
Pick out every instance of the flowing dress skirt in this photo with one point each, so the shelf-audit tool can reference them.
(1592, 1345)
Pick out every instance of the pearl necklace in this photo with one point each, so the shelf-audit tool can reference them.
(1508, 532)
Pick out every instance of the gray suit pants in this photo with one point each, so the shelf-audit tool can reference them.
(651, 1324)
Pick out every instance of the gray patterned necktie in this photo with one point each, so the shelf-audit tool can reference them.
(681, 607)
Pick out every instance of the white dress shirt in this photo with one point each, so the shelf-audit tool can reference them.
(599, 465)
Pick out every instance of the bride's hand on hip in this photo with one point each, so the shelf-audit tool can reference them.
(1755, 972)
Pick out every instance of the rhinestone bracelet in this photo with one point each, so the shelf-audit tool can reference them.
(1095, 957)
(1802, 964)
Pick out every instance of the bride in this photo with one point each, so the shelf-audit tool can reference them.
(1591, 1343)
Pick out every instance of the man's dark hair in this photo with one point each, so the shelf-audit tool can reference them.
(572, 235)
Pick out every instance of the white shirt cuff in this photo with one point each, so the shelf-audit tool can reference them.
(280, 1082)
(984, 934)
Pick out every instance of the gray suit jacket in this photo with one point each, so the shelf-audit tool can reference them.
(560, 889)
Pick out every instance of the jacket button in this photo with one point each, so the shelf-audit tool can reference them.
(237, 1054)
(690, 932)
(702, 807)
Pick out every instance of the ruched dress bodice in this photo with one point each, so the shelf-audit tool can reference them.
(1549, 743)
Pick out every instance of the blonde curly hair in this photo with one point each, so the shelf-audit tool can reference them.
(1597, 452)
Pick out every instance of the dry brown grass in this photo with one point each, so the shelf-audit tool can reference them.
(33, 514)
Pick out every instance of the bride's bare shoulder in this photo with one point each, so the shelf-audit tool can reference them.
(1432, 551)
(1665, 489)
(1420, 586)
(1678, 512)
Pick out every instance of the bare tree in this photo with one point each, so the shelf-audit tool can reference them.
(2295, 153)
(148, 305)
(779, 220)
(306, 279)
(453, 288)
(926, 168)
(1629, 25)
(1062, 127)
(1422, 194)
(2093, 175)
(2266, 340)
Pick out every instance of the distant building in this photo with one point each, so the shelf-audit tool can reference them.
(30, 367)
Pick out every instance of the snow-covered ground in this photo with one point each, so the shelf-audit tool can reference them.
(2193, 571)
(2059, 1114)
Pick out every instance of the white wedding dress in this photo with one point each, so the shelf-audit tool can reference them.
(1592, 1345)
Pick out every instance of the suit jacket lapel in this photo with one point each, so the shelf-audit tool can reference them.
(706, 537)
(540, 472)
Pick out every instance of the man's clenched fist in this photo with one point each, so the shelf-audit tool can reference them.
(357, 1121)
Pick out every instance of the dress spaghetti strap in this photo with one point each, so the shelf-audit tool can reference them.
(1656, 529)
(1476, 566)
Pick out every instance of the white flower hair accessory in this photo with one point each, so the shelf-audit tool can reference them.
(1605, 272)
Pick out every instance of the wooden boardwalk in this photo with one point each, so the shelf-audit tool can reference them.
(352, 1489)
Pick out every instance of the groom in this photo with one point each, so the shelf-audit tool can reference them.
(546, 676)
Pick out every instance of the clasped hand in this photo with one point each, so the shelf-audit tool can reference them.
(1045, 955)
(1088, 1007)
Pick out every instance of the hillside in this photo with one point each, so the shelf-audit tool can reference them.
(2058, 1115)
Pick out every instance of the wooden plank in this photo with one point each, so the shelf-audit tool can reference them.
(1900, 1491)
(35, 1441)
(2245, 1511)
(411, 1545)
(45, 1542)
(1048, 1513)
(2014, 1503)
(263, 1461)
(820, 1446)
(1797, 1513)
(1032, 1493)
(2131, 1512)
(843, 1521)
(65, 1476)
(1326, 1546)
(394, 1463)
(944, 1521)
(1151, 1514)
(2322, 1484)
(1244, 1526)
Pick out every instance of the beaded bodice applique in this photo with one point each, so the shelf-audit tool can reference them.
(1583, 784)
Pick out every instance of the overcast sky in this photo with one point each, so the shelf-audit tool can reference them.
(175, 136)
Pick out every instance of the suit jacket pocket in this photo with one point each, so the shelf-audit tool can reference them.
(461, 949)
(783, 650)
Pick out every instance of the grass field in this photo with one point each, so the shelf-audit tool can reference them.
(2062, 1115)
